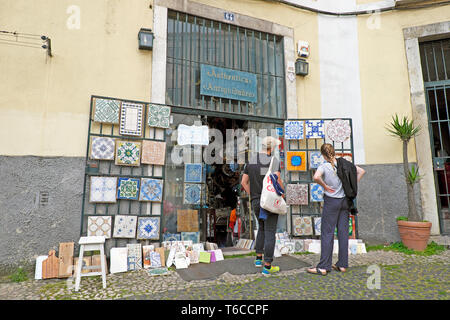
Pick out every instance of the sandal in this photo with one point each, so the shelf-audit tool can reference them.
(316, 271)
(339, 269)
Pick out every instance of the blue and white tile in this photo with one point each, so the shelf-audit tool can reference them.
(315, 159)
(103, 189)
(193, 172)
(293, 130)
(316, 192)
(194, 236)
(125, 226)
(148, 228)
(192, 193)
(317, 225)
(314, 129)
(102, 148)
(151, 190)
(131, 119)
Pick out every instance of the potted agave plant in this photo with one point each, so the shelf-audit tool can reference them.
(414, 232)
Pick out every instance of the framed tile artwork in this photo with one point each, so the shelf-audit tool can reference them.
(293, 130)
(315, 159)
(155, 259)
(171, 236)
(151, 190)
(128, 153)
(302, 226)
(297, 194)
(316, 192)
(106, 110)
(194, 236)
(314, 129)
(158, 116)
(148, 228)
(193, 172)
(99, 226)
(102, 148)
(296, 160)
(125, 226)
(192, 193)
(146, 250)
(317, 225)
(298, 245)
(346, 156)
(134, 256)
(153, 152)
(338, 130)
(187, 220)
(131, 115)
(128, 188)
(103, 189)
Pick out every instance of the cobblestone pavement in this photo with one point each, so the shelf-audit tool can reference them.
(402, 277)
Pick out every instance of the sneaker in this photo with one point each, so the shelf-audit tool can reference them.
(272, 270)
(258, 263)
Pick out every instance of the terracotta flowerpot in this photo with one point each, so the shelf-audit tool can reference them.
(414, 234)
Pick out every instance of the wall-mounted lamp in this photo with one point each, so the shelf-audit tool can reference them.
(301, 67)
(145, 37)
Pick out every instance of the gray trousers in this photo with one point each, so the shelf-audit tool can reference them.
(335, 213)
(265, 239)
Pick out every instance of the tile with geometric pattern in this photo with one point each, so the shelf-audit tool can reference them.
(128, 153)
(102, 148)
(131, 115)
(99, 226)
(106, 110)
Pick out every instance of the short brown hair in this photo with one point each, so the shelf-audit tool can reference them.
(327, 150)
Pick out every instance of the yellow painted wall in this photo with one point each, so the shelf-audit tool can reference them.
(44, 102)
(384, 78)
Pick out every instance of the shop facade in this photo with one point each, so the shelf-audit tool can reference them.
(46, 114)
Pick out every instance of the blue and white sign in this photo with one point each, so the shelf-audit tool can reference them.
(228, 83)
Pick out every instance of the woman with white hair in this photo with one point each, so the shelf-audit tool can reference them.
(252, 182)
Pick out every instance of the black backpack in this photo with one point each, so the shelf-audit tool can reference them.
(346, 171)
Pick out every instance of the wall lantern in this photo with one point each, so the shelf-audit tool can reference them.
(301, 67)
(145, 37)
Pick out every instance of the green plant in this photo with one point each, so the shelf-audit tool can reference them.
(402, 218)
(404, 129)
(19, 275)
(432, 249)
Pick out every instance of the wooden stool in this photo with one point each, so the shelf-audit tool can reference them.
(91, 244)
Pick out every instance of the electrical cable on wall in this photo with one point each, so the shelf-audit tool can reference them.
(26, 40)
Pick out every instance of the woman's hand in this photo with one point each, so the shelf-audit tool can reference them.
(329, 189)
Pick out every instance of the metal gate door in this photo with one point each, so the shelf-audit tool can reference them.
(435, 58)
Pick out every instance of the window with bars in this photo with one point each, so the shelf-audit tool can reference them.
(193, 41)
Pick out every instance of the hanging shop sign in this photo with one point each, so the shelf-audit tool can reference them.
(228, 83)
(196, 135)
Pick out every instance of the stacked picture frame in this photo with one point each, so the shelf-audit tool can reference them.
(124, 172)
(303, 139)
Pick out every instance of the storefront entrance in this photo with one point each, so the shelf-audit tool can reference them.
(204, 179)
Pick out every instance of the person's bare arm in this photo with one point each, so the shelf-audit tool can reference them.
(278, 173)
(318, 179)
(359, 173)
(245, 182)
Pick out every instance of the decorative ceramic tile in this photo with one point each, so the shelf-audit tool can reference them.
(171, 236)
(131, 115)
(339, 130)
(315, 159)
(153, 152)
(99, 226)
(293, 130)
(128, 188)
(102, 148)
(155, 259)
(128, 153)
(124, 226)
(158, 116)
(118, 260)
(314, 129)
(146, 250)
(187, 221)
(302, 226)
(317, 225)
(193, 172)
(181, 261)
(148, 228)
(103, 189)
(106, 110)
(297, 194)
(193, 236)
(193, 256)
(218, 254)
(192, 193)
(316, 192)
(134, 256)
(151, 190)
(299, 244)
(346, 156)
(296, 160)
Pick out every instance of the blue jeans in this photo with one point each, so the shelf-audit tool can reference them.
(265, 239)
